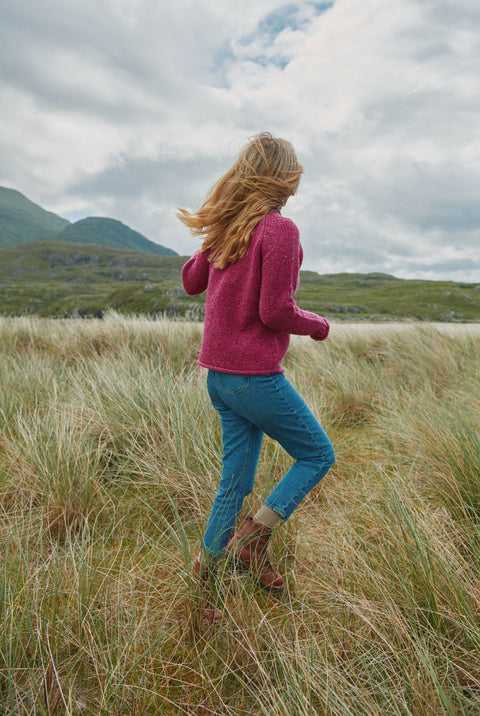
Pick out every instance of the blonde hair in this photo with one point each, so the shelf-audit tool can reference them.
(265, 174)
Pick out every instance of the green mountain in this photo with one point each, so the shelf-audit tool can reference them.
(56, 278)
(111, 233)
(21, 220)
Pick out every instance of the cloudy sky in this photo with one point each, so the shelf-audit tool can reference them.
(129, 108)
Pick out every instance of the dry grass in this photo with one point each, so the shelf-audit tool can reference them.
(109, 459)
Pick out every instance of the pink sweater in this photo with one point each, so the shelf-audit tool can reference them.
(250, 311)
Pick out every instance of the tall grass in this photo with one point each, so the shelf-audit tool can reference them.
(109, 460)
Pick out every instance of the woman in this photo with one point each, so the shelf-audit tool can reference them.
(249, 265)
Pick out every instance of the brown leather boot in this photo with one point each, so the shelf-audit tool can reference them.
(248, 546)
(204, 613)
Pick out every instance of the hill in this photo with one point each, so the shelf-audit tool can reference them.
(379, 296)
(111, 233)
(54, 278)
(21, 220)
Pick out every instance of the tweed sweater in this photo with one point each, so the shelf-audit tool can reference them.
(250, 311)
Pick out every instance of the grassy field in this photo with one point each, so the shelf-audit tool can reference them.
(109, 460)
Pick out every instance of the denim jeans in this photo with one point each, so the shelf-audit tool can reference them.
(249, 406)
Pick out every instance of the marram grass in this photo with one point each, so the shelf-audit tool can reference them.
(109, 460)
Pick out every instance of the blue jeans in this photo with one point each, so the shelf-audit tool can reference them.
(249, 406)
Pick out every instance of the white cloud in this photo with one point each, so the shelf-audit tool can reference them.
(132, 107)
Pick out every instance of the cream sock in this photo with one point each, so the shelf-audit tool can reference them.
(267, 517)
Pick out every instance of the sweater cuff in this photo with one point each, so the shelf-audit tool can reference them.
(322, 332)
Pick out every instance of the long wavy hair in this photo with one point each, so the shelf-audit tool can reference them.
(266, 173)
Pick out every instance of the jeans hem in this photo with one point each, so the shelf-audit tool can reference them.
(214, 553)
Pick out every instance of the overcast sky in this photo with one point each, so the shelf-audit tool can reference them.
(129, 108)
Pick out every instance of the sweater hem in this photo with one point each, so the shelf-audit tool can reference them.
(243, 371)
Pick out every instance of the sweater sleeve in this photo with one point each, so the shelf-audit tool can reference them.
(281, 260)
(195, 273)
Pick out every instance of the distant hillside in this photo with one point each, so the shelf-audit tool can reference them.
(54, 278)
(379, 296)
(111, 233)
(21, 220)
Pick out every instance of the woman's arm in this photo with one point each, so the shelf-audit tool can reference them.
(281, 260)
(195, 274)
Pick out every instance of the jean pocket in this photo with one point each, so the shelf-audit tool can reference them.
(233, 383)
